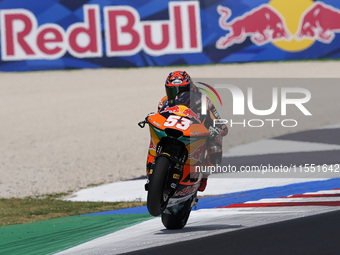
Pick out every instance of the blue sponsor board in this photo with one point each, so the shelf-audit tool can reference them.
(60, 34)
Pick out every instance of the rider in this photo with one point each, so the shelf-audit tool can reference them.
(180, 90)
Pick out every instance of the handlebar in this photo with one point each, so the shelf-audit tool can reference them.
(142, 123)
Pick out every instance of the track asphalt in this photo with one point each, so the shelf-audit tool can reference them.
(317, 234)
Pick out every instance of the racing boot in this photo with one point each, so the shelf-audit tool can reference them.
(203, 184)
(214, 157)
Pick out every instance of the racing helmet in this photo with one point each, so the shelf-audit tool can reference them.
(177, 82)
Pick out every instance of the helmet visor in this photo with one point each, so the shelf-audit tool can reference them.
(172, 91)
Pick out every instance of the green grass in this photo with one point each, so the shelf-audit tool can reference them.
(24, 210)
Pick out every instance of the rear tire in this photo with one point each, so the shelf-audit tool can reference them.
(178, 221)
(157, 199)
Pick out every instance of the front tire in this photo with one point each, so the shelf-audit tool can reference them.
(157, 199)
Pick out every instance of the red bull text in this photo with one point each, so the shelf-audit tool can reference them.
(125, 34)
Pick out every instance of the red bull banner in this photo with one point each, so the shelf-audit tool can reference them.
(60, 34)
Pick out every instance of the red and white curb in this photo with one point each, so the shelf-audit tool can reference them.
(320, 198)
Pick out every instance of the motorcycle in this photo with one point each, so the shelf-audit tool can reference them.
(177, 147)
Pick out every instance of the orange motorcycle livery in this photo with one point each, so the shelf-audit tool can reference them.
(177, 147)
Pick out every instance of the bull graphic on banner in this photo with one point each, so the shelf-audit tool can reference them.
(265, 24)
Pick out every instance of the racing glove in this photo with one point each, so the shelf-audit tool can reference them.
(215, 132)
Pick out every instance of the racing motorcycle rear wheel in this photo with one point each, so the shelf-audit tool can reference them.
(158, 198)
(179, 220)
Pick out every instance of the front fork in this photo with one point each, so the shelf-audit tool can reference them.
(176, 164)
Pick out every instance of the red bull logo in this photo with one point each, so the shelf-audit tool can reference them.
(288, 24)
(188, 112)
(152, 145)
(263, 24)
(198, 154)
(184, 111)
(174, 109)
(320, 22)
